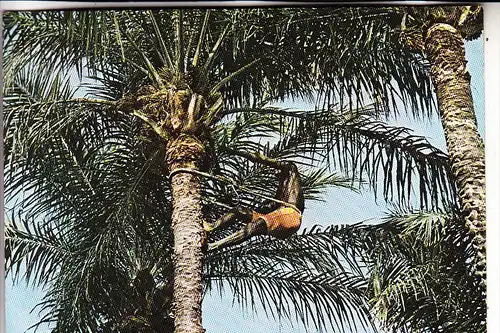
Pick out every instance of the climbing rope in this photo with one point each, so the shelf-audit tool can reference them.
(231, 182)
(223, 205)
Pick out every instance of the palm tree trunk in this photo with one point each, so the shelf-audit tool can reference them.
(186, 152)
(445, 50)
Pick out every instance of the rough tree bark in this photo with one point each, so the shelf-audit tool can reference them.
(445, 50)
(186, 152)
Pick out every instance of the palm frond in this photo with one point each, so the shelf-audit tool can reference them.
(318, 281)
(358, 145)
(39, 247)
(419, 265)
(374, 69)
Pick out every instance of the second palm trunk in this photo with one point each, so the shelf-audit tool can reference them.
(445, 50)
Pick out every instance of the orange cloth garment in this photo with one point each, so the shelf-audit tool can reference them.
(282, 222)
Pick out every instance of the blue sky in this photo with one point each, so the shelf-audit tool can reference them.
(341, 206)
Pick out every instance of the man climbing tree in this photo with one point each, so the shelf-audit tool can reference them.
(279, 218)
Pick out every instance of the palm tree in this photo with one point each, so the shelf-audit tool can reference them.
(175, 88)
(98, 206)
(438, 33)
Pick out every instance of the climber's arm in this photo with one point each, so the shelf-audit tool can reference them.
(234, 215)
